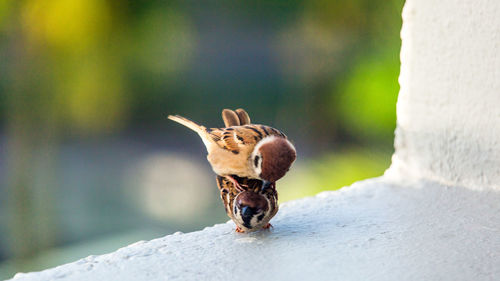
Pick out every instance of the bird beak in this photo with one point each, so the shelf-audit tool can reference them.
(265, 185)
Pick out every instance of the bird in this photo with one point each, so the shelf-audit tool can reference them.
(245, 150)
(250, 208)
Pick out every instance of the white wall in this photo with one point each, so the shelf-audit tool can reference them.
(449, 104)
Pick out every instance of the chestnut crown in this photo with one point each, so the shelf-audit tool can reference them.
(252, 200)
(273, 158)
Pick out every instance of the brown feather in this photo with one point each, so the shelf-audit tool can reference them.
(277, 157)
(230, 142)
(229, 148)
(252, 196)
(188, 123)
(252, 200)
(249, 135)
(243, 116)
(230, 118)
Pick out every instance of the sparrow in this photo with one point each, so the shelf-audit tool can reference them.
(243, 149)
(250, 208)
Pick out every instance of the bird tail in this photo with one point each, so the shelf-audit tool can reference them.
(188, 123)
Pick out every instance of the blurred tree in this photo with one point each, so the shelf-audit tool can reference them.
(323, 71)
(55, 77)
(366, 98)
(332, 171)
(327, 46)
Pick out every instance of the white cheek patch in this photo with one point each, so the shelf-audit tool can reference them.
(268, 209)
(237, 215)
(255, 152)
(258, 168)
(254, 221)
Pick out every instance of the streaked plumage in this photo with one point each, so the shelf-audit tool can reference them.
(252, 208)
(248, 159)
(243, 149)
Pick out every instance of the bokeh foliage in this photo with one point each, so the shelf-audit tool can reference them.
(98, 73)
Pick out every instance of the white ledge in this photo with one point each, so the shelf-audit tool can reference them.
(373, 230)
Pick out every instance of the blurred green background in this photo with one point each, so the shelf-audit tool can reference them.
(88, 160)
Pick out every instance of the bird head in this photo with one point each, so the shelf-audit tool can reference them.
(272, 158)
(251, 210)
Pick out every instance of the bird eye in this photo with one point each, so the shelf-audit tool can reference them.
(256, 161)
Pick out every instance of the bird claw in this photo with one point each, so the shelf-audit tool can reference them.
(239, 230)
(236, 184)
(267, 226)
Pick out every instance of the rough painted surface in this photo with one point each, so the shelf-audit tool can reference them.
(449, 104)
(373, 230)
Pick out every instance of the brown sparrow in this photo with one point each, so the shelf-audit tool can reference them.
(250, 208)
(243, 149)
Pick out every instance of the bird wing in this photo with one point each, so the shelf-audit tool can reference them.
(254, 133)
(226, 194)
(230, 118)
(237, 137)
(238, 117)
(232, 138)
(243, 116)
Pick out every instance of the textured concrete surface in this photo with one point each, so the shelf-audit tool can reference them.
(449, 104)
(373, 230)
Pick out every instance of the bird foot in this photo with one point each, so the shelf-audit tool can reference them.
(236, 184)
(267, 226)
(239, 230)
